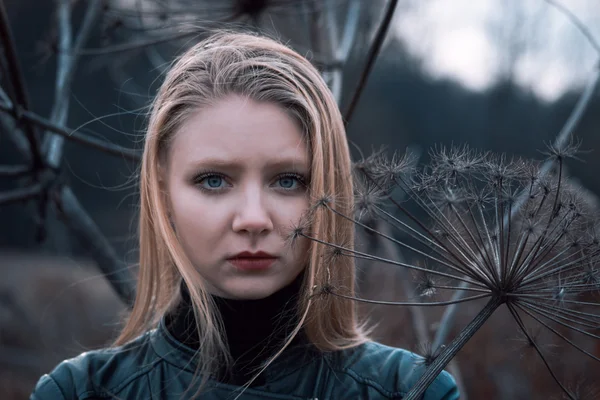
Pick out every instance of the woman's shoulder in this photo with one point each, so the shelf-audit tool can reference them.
(98, 373)
(393, 371)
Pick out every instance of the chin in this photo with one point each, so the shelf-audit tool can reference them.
(250, 290)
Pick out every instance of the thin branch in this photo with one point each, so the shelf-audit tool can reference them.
(121, 48)
(67, 64)
(535, 345)
(350, 30)
(578, 23)
(86, 230)
(373, 52)
(21, 194)
(20, 92)
(11, 130)
(15, 136)
(362, 255)
(447, 321)
(76, 136)
(557, 333)
(418, 317)
(409, 303)
(14, 171)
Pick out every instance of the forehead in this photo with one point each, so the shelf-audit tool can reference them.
(240, 130)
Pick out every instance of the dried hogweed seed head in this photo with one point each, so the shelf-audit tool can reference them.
(562, 152)
(300, 229)
(454, 161)
(368, 197)
(512, 232)
(428, 354)
(425, 284)
(383, 172)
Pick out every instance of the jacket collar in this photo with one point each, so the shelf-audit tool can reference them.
(300, 366)
(249, 325)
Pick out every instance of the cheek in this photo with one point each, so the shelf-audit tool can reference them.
(197, 219)
(289, 212)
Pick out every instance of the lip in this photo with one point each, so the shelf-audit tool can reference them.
(249, 261)
(248, 254)
(252, 264)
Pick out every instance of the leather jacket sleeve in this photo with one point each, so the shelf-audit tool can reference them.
(47, 389)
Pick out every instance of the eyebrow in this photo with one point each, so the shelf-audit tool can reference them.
(235, 164)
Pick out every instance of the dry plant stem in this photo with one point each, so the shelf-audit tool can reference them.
(371, 57)
(408, 303)
(21, 194)
(418, 317)
(11, 130)
(560, 335)
(580, 25)
(383, 235)
(537, 349)
(14, 171)
(67, 63)
(336, 53)
(85, 228)
(20, 93)
(75, 136)
(449, 352)
(362, 255)
(121, 48)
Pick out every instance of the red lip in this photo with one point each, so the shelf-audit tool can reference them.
(252, 264)
(252, 261)
(247, 254)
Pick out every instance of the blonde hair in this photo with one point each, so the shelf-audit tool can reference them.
(263, 70)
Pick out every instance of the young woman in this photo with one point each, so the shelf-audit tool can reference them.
(243, 138)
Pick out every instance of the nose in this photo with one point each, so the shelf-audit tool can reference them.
(252, 215)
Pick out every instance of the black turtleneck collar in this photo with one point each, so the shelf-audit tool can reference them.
(255, 329)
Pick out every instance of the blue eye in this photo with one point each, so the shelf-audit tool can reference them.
(209, 181)
(287, 182)
(213, 181)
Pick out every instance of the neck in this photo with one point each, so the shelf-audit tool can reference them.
(255, 329)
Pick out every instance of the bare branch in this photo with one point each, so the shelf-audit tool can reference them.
(16, 136)
(67, 64)
(86, 230)
(578, 23)
(14, 170)
(121, 48)
(21, 194)
(350, 30)
(20, 92)
(371, 57)
(340, 52)
(76, 136)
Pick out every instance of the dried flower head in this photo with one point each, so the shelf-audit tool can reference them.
(510, 230)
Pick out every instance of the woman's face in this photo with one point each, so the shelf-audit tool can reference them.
(235, 182)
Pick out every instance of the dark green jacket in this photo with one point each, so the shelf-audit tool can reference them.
(156, 366)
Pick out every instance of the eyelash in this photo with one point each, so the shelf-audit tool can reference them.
(204, 175)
